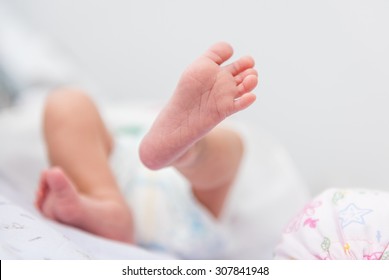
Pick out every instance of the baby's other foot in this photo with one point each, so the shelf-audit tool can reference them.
(58, 199)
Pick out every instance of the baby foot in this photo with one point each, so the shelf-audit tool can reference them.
(206, 94)
(58, 199)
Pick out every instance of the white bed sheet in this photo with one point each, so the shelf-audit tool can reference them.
(24, 234)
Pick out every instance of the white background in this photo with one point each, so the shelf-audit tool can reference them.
(323, 65)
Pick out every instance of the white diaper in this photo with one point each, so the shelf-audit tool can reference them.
(266, 193)
(167, 216)
(339, 224)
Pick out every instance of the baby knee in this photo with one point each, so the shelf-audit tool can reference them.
(65, 101)
(63, 96)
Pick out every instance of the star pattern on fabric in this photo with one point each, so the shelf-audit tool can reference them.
(353, 214)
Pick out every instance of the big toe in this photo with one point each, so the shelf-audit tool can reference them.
(219, 52)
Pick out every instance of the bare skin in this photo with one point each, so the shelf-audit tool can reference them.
(81, 190)
(206, 94)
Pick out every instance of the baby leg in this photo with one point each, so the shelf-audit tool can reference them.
(183, 134)
(81, 190)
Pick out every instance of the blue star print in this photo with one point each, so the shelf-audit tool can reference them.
(352, 214)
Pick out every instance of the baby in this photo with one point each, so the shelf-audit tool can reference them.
(81, 189)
